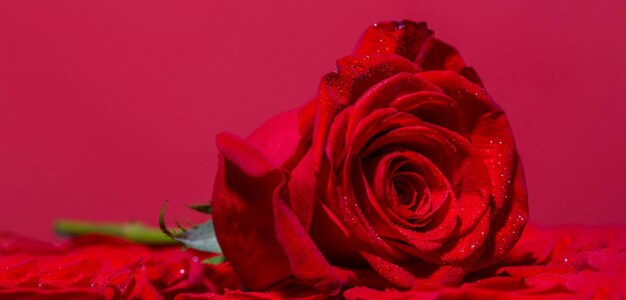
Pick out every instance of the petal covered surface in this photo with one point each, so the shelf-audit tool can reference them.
(568, 262)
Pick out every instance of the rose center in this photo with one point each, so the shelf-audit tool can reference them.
(407, 193)
(412, 196)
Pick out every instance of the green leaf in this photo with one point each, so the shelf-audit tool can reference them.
(201, 237)
(203, 208)
(215, 260)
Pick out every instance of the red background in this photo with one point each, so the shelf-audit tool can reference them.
(108, 108)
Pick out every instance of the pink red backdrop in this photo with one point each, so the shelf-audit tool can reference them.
(108, 108)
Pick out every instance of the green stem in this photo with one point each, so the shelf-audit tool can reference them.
(132, 231)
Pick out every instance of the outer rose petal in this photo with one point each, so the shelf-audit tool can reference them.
(280, 141)
(278, 137)
(491, 135)
(415, 42)
(258, 233)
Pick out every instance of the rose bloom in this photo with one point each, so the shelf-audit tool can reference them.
(401, 173)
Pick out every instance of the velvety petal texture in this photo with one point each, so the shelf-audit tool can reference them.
(402, 172)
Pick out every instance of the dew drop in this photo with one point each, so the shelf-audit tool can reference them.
(181, 271)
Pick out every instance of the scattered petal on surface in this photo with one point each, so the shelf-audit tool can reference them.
(572, 262)
(93, 267)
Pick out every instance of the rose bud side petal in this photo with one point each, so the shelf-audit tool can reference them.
(258, 232)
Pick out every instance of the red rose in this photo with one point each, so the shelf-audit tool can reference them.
(402, 172)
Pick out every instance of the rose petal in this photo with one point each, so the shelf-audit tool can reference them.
(250, 192)
(307, 262)
(415, 42)
(509, 222)
(279, 140)
(355, 75)
(435, 108)
(333, 239)
(470, 180)
(404, 38)
(278, 137)
(385, 92)
(243, 215)
(471, 98)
